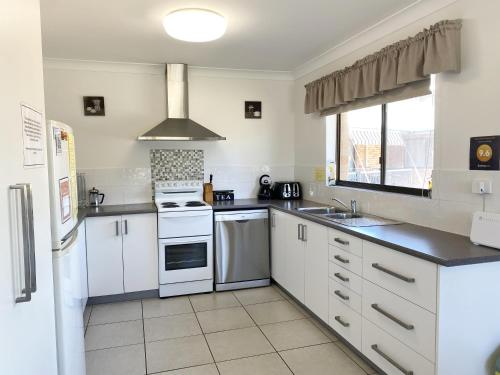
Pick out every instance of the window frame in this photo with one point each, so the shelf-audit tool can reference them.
(383, 157)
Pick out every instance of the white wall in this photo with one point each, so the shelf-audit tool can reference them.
(117, 164)
(466, 106)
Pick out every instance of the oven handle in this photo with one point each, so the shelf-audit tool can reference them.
(185, 240)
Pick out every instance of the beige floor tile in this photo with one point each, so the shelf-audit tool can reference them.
(325, 359)
(258, 295)
(273, 312)
(365, 366)
(169, 327)
(156, 307)
(114, 334)
(267, 364)
(281, 291)
(299, 307)
(86, 314)
(125, 360)
(293, 334)
(325, 329)
(197, 370)
(116, 312)
(213, 301)
(224, 319)
(238, 343)
(177, 353)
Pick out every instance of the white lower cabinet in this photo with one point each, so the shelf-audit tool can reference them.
(346, 322)
(104, 255)
(122, 254)
(393, 357)
(405, 314)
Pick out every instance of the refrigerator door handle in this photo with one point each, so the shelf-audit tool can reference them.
(26, 290)
(31, 237)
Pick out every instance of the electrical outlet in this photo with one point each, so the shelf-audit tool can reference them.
(482, 187)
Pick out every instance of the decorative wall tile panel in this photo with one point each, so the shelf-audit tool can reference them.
(171, 165)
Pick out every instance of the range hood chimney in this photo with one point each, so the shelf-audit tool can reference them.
(178, 126)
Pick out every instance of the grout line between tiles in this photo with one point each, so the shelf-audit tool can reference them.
(144, 339)
(113, 347)
(269, 341)
(121, 321)
(204, 337)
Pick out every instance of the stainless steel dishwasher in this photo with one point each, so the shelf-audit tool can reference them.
(241, 249)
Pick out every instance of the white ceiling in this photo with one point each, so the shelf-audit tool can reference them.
(261, 34)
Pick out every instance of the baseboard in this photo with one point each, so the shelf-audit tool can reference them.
(153, 293)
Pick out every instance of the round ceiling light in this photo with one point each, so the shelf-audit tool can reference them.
(195, 25)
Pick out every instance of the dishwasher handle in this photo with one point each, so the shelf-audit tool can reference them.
(242, 216)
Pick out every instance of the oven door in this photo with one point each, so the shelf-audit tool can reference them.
(185, 259)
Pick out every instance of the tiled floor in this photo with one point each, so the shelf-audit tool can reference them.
(254, 331)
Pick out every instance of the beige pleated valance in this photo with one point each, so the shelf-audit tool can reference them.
(396, 72)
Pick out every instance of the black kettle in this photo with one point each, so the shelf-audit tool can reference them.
(265, 187)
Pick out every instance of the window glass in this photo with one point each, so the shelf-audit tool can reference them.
(360, 145)
(410, 142)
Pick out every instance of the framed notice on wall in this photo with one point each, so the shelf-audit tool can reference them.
(33, 140)
(484, 153)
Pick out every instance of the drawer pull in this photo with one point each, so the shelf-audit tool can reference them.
(343, 278)
(340, 259)
(390, 360)
(343, 296)
(407, 326)
(392, 273)
(341, 241)
(339, 319)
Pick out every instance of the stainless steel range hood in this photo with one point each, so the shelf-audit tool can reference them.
(178, 126)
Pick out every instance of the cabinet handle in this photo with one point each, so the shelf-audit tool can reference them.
(117, 230)
(390, 360)
(304, 233)
(299, 231)
(340, 259)
(339, 293)
(341, 241)
(392, 273)
(407, 326)
(273, 220)
(343, 278)
(339, 319)
(126, 226)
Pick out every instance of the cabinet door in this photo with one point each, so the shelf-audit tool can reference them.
(294, 259)
(104, 255)
(278, 246)
(316, 269)
(140, 252)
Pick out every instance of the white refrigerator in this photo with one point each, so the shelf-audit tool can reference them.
(27, 323)
(68, 250)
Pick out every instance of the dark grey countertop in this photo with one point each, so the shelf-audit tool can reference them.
(444, 248)
(111, 210)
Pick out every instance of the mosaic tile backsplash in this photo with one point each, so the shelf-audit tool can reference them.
(176, 165)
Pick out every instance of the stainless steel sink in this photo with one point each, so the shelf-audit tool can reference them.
(343, 216)
(320, 210)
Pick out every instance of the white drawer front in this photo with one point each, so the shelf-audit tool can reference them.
(392, 353)
(346, 260)
(346, 242)
(409, 277)
(344, 295)
(409, 323)
(345, 277)
(346, 322)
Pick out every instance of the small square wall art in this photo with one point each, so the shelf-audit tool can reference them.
(93, 105)
(253, 109)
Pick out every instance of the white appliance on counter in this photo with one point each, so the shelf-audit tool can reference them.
(68, 250)
(185, 238)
